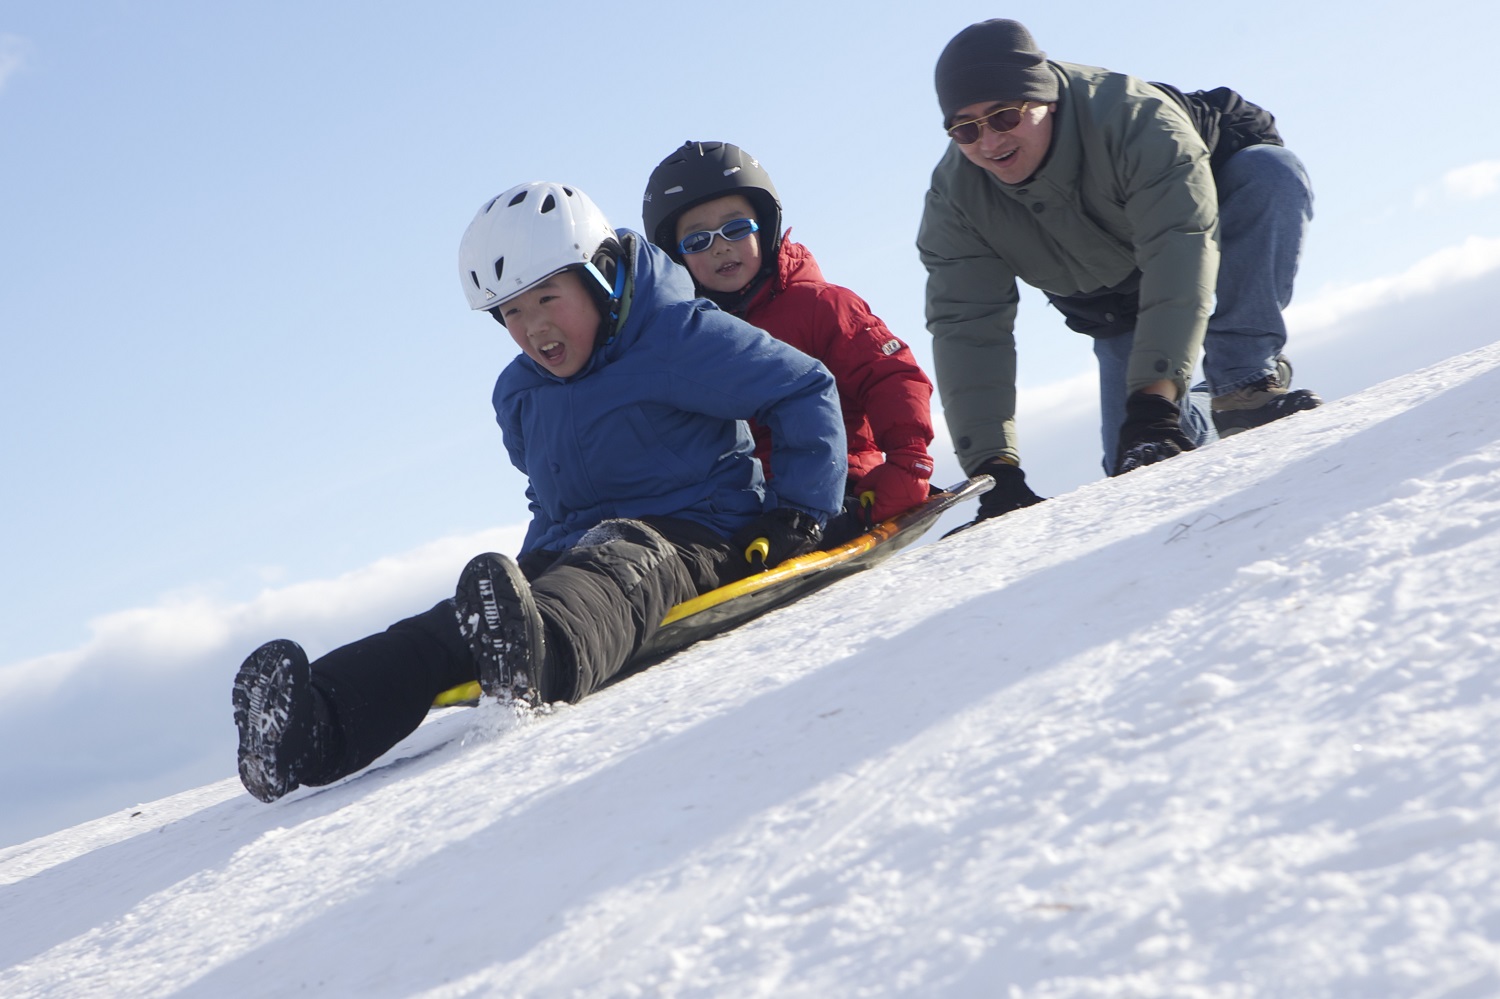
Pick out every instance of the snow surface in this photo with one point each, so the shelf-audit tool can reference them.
(1225, 727)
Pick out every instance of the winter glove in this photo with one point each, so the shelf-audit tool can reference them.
(1152, 432)
(1010, 493)
(776, 536)
(899, 484)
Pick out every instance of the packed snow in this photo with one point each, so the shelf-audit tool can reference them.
(1225, 727)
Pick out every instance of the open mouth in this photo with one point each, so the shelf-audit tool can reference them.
(551, 351)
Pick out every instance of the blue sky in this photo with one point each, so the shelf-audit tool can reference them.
(238, 367)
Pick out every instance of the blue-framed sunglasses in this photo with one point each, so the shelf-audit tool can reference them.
(734, 230)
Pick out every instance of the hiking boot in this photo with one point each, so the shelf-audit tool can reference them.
(1262, 402)
(1239, 420)
(276, 712)
(497, 616)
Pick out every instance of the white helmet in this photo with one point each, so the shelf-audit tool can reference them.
(525, 235)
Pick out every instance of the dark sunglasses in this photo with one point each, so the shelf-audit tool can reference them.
(999, 120)
(733, 230)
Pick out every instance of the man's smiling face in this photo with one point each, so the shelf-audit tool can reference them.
(1011, 156)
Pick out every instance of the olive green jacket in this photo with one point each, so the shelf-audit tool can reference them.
(1125, 193)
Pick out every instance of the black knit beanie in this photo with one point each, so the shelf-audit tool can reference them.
(995, 60)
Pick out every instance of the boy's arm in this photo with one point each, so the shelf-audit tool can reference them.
(881, 385)
(808, 446)
(730, 369)
(876, 370)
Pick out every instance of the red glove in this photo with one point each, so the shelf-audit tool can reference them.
(900, 483)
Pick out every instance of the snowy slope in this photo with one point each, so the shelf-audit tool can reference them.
(1225, 727)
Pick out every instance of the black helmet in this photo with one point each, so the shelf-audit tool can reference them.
(702, 171)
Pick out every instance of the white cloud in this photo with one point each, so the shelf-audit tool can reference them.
(12, 57)
(142, 708)
(1477, 180)
(183, 631)
(1471, 259)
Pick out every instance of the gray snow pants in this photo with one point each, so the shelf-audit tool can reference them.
(601, 601)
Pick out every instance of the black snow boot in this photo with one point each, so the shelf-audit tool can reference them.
(498, 617)
(282, 721)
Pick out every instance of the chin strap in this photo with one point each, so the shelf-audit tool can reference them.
(615, 293)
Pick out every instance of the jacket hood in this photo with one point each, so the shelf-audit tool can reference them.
(794, 264)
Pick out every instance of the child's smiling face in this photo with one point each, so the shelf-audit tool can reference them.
(726, 266)
(555, 323)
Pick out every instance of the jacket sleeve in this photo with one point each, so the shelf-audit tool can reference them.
(971, 314)
(725, 367)
(1172, 204)
(874, 370)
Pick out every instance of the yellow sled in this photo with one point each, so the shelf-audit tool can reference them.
(719, 610)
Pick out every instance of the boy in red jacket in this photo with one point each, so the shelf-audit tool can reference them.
(713, 208)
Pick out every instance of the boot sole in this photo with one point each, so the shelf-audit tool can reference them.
(265, 689)
(498, 618)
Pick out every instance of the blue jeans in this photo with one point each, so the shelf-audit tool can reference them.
(1265, 205)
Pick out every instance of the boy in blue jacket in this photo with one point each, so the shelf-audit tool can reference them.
(626, 411)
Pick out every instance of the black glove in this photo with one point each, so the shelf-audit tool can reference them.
(776, 536)
(1152, 432)
(1010, 493)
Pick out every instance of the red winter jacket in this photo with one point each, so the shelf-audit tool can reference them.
(885, 395)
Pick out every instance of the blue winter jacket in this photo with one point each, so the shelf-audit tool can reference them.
(653, 423)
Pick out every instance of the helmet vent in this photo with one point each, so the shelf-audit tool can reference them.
(675, 189)
(530, 231)
(730, 172)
